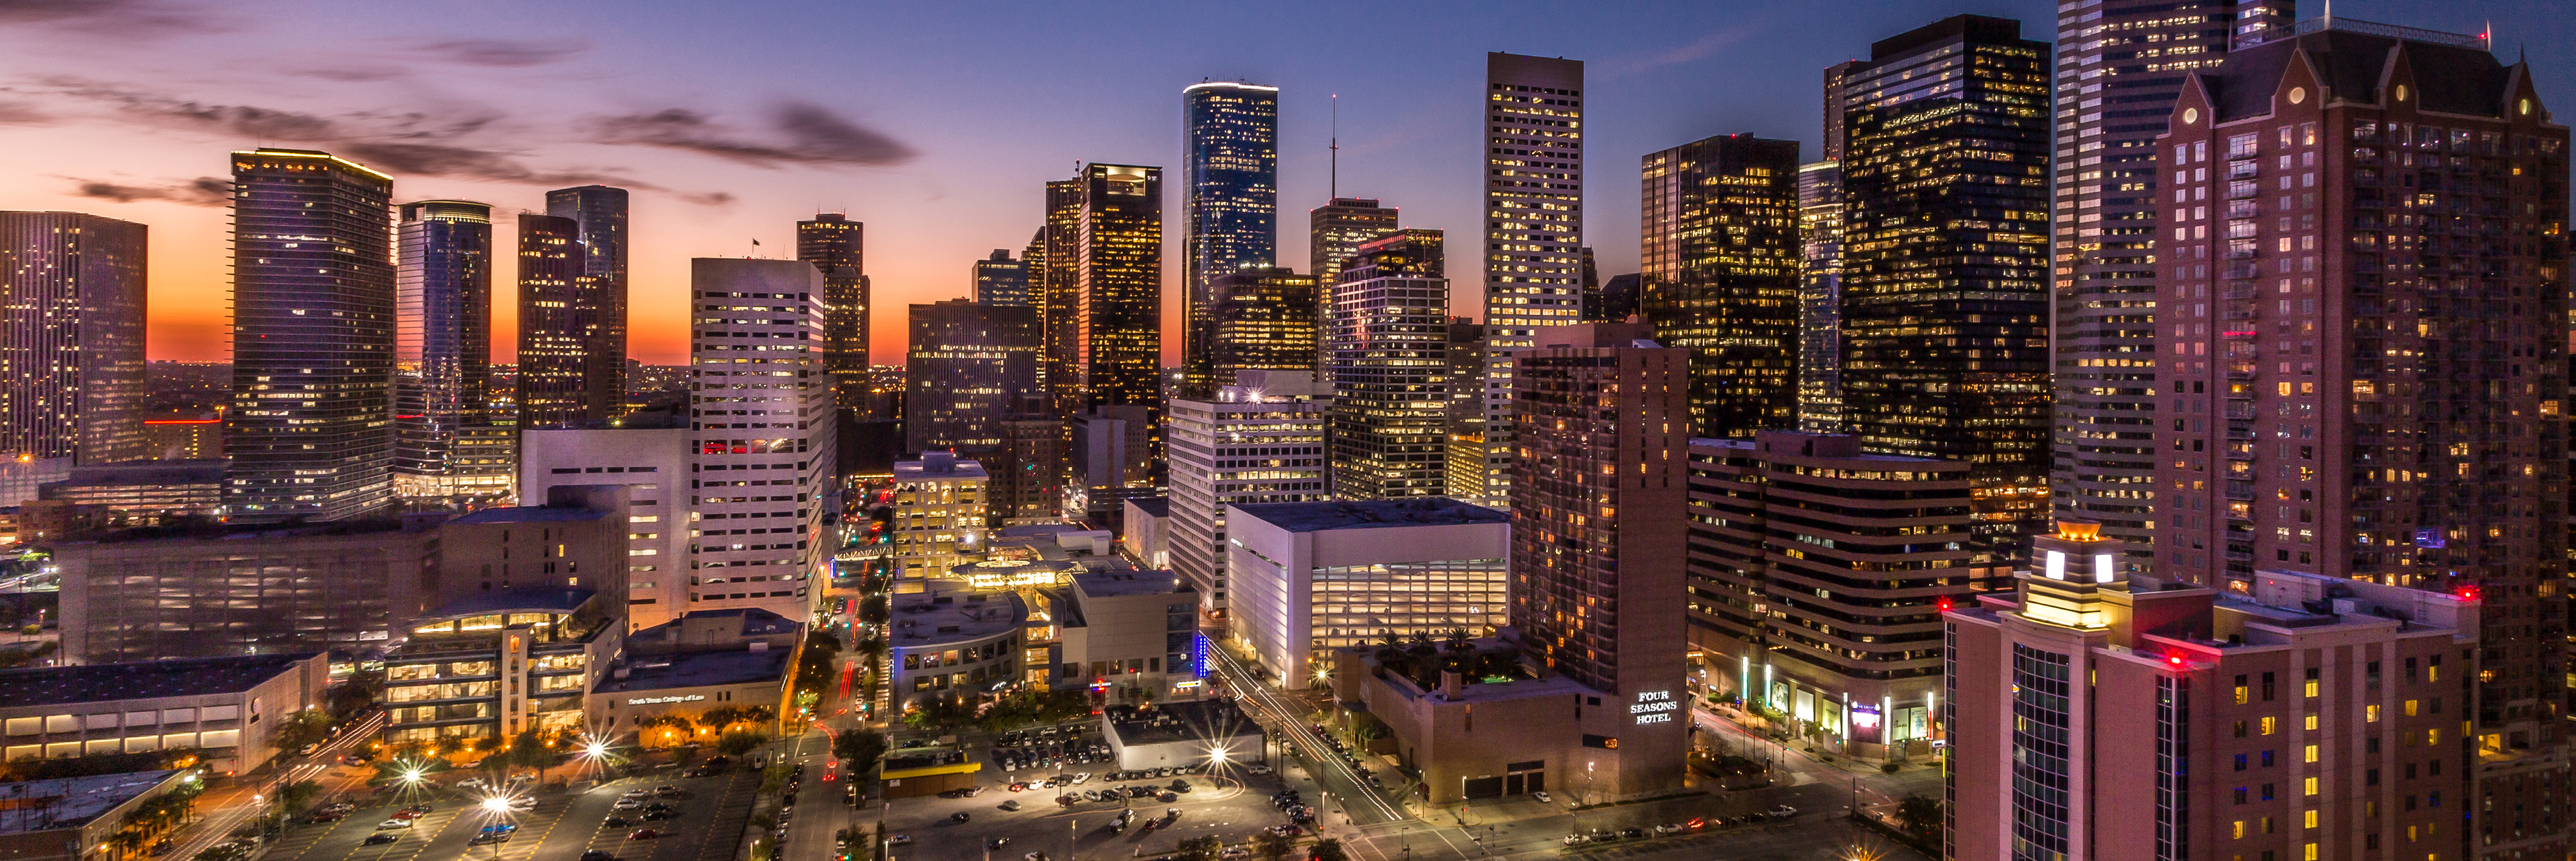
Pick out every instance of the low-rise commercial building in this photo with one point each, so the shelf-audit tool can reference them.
(952, 641)
(63, 818)
(1181, 734)
(707, 660)
(144, 492)
(650, 456)
(1126, 636)
(161, 593)
(1314, 576)
(2316, 717)
(1817, 578)
(1147, 538)
(939, 513)
(224, 708)
(1475, 719)
(496, 664)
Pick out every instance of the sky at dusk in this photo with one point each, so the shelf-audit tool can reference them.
(934, 123)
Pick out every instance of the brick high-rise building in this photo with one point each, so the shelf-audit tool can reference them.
(2120, 63)
(2364, 251)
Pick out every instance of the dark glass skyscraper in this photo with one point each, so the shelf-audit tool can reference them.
(1260, 319)
(600, 322)
(309, 432)
(1945, 256)
(2120, 64)
(1390, 370)
(1056, 288)
(71, 337)
(1820, 297)
(1000, 280)
(1721, 259)
(970, 368)
(1118, 295)
(1335, 231)
(442, 341)
(554, 360)
(1229, 201)
(837, 247)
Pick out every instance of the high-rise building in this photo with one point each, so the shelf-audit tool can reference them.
(1335, 232)
(1817, 577)
(1835, 108)
(1466, 457)
(1616, 300)
(1000, 280)
(2363, 366)
(310, 429)
(601, 320)
(1028, 482)
(1118, 285)
(1721, 259)
(558, 305)
(2310, 717)
(1390, 370)
(1260, 319)
(970, 367)
(1533, 116)
(443, 352)
(1945, 254)
(2120, 64)
(760, 401)
(1250, 444)
(651, 458)
(1055, 288)
(1229, 202)
(1820, 297)
(838, 246)
(71, 338)
(1598, 509)
(940, 514)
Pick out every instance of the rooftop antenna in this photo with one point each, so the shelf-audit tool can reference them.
(1337, 145)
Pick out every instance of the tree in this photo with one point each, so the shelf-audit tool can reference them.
(297, 729)
(1328, 850)
(858, 750)
(1271, 846)
(1921, 816)
(294, 797)
(739, 743)
(814, 664)
(1197, 849)
(125, 841)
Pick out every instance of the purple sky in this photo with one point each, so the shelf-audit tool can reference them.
(935, 123)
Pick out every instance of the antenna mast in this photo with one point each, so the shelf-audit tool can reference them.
(1337, 145)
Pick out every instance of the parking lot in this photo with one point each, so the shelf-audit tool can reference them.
(709, 816)
(1230, 805)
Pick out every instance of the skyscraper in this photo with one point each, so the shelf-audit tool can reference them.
(310, 428)
(1260, 319)
(1616, 300)
(1533, 116)
(1118, 276)
(1390, 375)
(1820, 297)
(1945, 254)
(2120, 63)
(1335, 231)
(1057, 294)
(1000, 280)
(1229, 200)
(443, 350)
(761, 404)
(601, 321)
(71, 337)
(838, 247)
(558, 304)
(1721, 259)
(2364, 363)
(969, 368)
(1597, 523)
(1245, 446)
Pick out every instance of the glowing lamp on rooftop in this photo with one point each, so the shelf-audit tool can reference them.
(2079, 530)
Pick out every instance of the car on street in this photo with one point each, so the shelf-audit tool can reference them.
(644, 834)
(378, 840)
(959, 816)
(997, 843)
(899, 840)
(1012, 805)
(1783, 812)
(391, 824)
(1661, 830)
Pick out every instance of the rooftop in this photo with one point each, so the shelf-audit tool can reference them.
(532, 514)
(69, 802)
(1158, 506)
(1372, 514)
(937, 466)
(948, 612)
(187, 677)
(555, 600)
(702, 669)
(1183, 720)
(147, 472)
(1114, 583)
(754, 621)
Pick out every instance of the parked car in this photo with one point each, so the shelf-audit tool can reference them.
(997, 843)
(1783, 812)
(376, 840)
(959, 816)
(644, 834)
(1661, 830)
(1542, 797)
(597, 855)
(391, 824)
(617, 822)
(1012, 805)
(899, 840)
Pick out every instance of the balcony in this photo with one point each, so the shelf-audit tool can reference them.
(2237, 413)
(2242, 168)
(2238, 293)
(2240, 372)
(2240, 491)
(2241, 271)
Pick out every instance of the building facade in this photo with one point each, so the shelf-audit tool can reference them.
(1820, 297)
(1245, 446)
(2091, 713)
(1390, 370)
(1229, 204)
(313, 303)
(1118, 301)
(1721, 257)
(1335, 232)
(940, 514)
(761, 402)
(1322, 575)
(2120, 64)
(1592, 564)
(1258, 319)
(1817, 577)
(838, 247)
(1945, 301)
(1533, 114)
(970, 367)
(225, 708)
(2370, 223)
(342, 587)
(443, 352)
(600, 212)
(558, 310)
(1000, 280)
(653, 463)
(71, 337)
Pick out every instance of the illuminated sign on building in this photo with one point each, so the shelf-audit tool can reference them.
(1654, 707)
(651, 701)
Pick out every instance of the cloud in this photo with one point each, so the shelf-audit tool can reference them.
(504, 53)
(464, 162)
(711, 198)
(812, 135)
(121, 18)
(21, 113)
(202, 191)
(1698, 49)
(351, 75)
